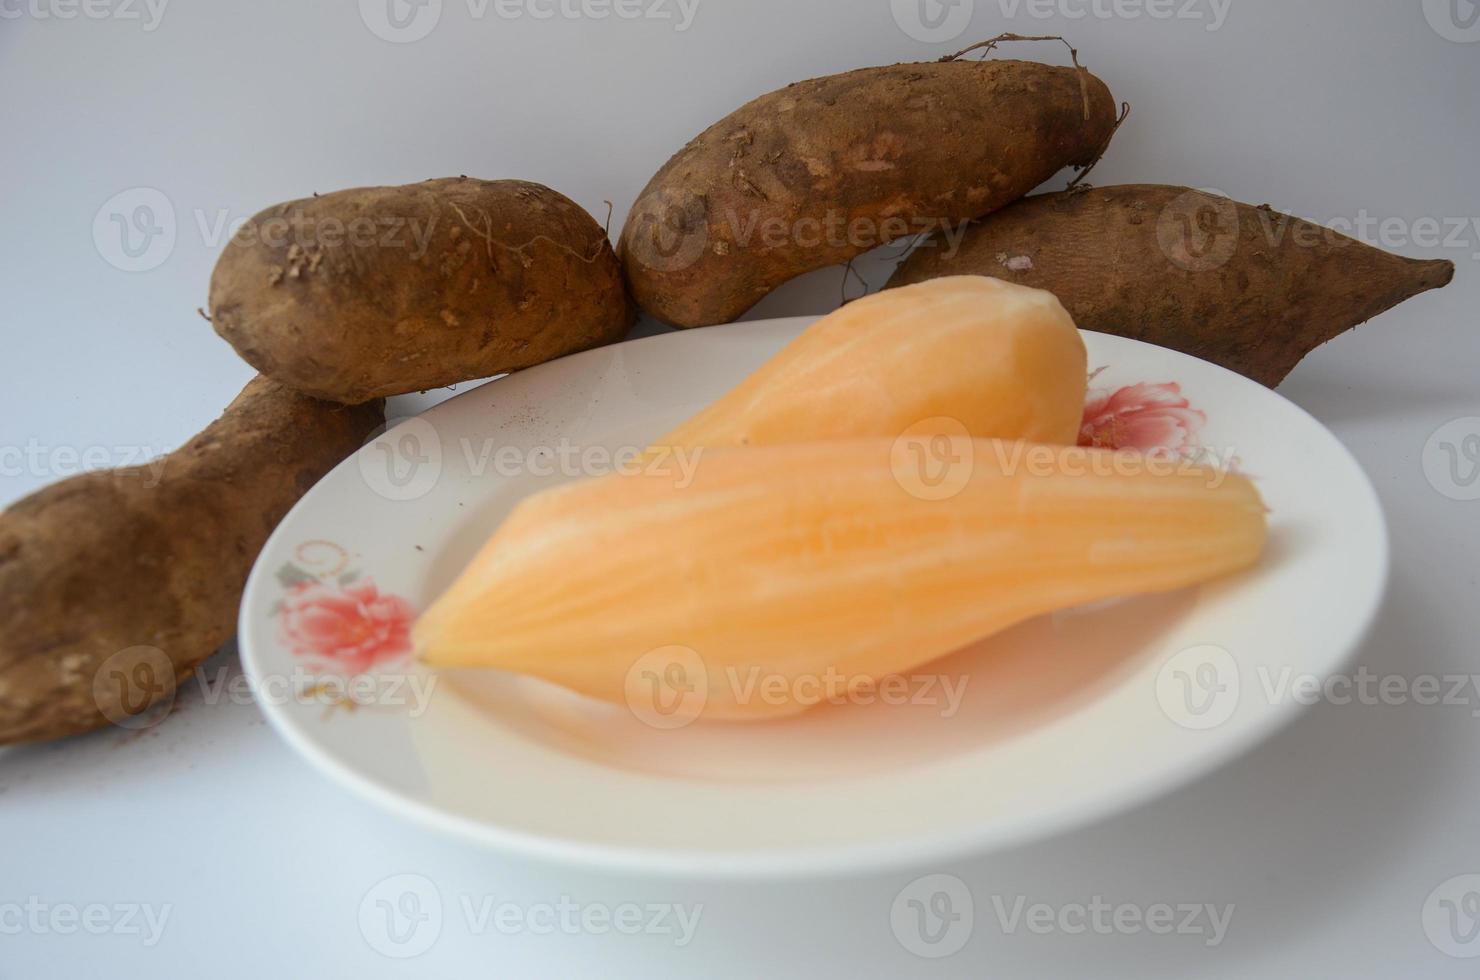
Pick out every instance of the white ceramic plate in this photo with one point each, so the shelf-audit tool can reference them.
(1061, 721)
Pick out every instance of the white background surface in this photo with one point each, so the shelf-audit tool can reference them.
(1327, 841)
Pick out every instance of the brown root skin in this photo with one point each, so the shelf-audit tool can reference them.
(151, 556)
(1241, 286)
(744, 206)
(990, 45)
(378, 291)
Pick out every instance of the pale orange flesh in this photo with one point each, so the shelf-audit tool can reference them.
(993, 359)
(799, 560)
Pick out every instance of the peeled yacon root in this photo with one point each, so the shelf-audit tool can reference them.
(115, 584)
(806, 560)
(379, 291)
(1244, 287)
(824, 170)
(986, 358)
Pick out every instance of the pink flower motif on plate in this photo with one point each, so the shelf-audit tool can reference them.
(352, 627)
(1145, 416)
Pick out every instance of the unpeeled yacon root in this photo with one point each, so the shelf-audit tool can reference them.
(823, 170)
(379, 291)
(111, 578)
(1244, 287)
(967, 354)
(823, 559)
